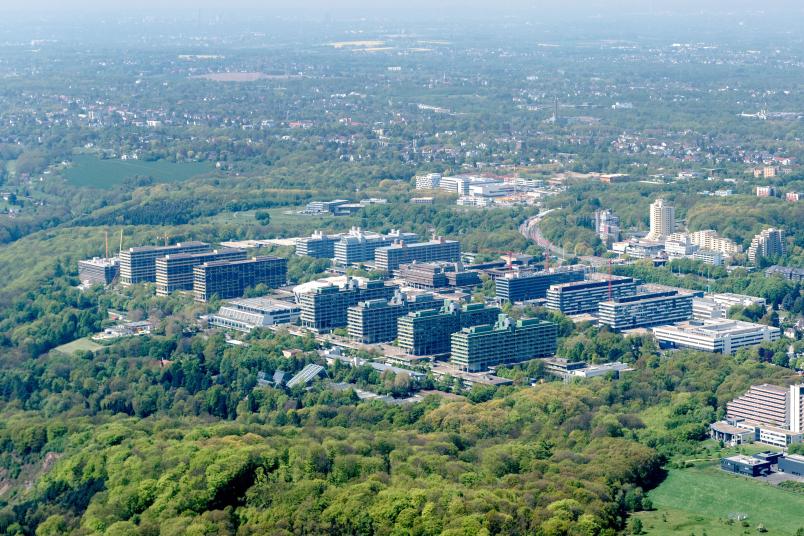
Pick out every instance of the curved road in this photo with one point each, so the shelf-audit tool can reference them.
(530, 230)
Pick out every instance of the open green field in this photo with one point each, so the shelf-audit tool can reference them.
(78, 345)
(90, 172)
(700, 499)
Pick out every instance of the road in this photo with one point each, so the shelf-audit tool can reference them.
(530, 230)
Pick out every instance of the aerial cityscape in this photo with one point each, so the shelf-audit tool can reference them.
(366, 268)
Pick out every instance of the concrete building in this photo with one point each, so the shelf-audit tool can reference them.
(645, 310)
(430, 181)
(477, 348)
(324, 207)
(766, 191)
(98, 270)
(584, 296)
(318, 245)
(707, 309)
(607, 225)
(138, 265)
(460, 184)
(638, 249)
(680, 245)
(432, 275)
(721, 336)
(230, 279)
(791, 464)
(359, 246)
(768, 243)
(773, 413)
(388, 259)
(792, 274)
(709, 239)
(524, 286)
(375, 321)
(662, 221)
(249, 313)
(175, 272)
(325, 308)
(708, 256)
(428, 332)
(729, 299)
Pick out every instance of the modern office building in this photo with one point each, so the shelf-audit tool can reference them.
(138, 265)
(428, 332)
(430, 181)
(175, 271)
(584, 296)
(745, 465)
(792, 464)
(325, 308)
(662, 221)
(729, 299)
(375, 321)
(721, 336)
(98, 270)
(524, 286)
(645, 310)
(431, 275)
(230, 279)
(323, 207)
(359, 246)
(388, 259)
(768, 243)
(793, 274)
(318, 245)
(249, 313)
(477, 348)
(607, 225)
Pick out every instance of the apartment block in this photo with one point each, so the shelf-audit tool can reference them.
(763, 404)
(430, 181)
(375, 321)
(326, 308)
(388, 259)
(138, 265)
(477, 348)
(428, 332)
(715, 335)
(768, 243)
(230, 279)
(524, 286)
(645, 310)
(584, 296)
(175, 272)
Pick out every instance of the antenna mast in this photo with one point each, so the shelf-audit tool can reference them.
(121, 241)
(106, 240)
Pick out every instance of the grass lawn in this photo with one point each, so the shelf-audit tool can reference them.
(90, 172)
(700, 499)
(77, 345)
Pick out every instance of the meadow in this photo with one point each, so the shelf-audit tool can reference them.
(90, 172)
(700, 500)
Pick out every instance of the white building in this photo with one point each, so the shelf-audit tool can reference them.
(768, 243)
(707, 309)
(679, 245)
(729, 299)
(707, 256)
(431, 181)
(662, 220)
(709, 239)
(721, 336)
(249, 313)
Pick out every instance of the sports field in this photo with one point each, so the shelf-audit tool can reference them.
(700, 500)
(90, 172)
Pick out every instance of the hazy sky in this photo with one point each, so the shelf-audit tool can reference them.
(408, 6)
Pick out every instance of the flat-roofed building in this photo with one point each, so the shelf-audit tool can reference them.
(763, 404)
(708, 256)
(768, 243)
(359, 246)
(793, 274)
(98, 270)
(792, 464)
(175, 271)
(317, 245)
(715, 335)
(375, 321)
(524, 286)
(745, 465)
(728, 299)
(388, 259)
(707, 309)
(138, 265)
(430, 181)
(477, 348)
(230, 279)
(645, 310)
(584, 296)
(431, 275)
(326, 308)
(247, 314)
(428, 332)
